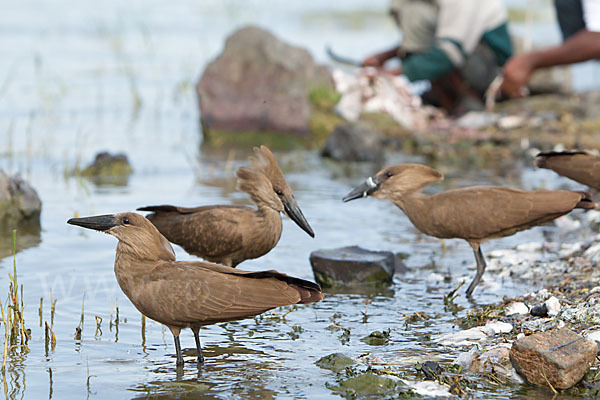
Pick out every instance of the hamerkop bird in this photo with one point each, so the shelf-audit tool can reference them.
(580, 166)
(474, 213)
(183, 294)
(229, 234)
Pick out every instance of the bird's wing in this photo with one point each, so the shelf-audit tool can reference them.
(204, 293)
(211, 231)
(182, 210)
(486, 212)
(580, 166)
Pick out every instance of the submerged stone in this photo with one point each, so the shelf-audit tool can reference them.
(368, 384)
(559, 358)
(335, 362)
(108, 169)
(352, 266)
(431, 370)
(377, 338)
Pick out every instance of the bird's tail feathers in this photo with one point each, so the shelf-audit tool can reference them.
(586, 202)
(308, 295)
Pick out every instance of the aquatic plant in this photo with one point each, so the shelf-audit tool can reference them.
(14, 321)
(15, 334)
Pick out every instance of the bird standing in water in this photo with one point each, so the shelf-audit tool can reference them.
(580, 166)
(228, 234)
(181, 294)
(474, 214)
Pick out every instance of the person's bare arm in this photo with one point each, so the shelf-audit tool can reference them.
(379, 59)
(393, 71)
(582, 46)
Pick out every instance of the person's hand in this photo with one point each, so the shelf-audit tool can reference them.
(373, 61)
(517, 71)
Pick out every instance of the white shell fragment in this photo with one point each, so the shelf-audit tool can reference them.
(517, 308)
(553, 306)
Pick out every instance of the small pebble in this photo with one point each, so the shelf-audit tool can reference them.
(540, 310)
(594, 335)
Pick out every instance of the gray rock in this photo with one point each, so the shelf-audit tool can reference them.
(335, 362)
(352, 142)
(19, 202)
(352, 266)
(259, 83)
(559, 358)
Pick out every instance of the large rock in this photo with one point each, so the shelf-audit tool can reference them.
(18, 201)
(352, 142)
(259, 83)
(558, 357)
(353, 266)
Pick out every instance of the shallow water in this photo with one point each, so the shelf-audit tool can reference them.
(80, 78)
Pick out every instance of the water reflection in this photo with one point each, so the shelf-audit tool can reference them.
(28, 236)
(15, 372)
(228, 370)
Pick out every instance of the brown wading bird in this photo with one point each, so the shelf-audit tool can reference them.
(229, 234)
(474, 213)
(181, 294)
(580, 166)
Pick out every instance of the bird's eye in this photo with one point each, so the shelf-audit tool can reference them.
(126, 221)
(388, 174)
(279, 192)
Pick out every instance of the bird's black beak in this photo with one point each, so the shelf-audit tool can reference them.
(363, 190)
(98, 222)
(293, 211)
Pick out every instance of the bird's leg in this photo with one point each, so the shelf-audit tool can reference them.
(198, 345)
(178, 350)
(480, 269)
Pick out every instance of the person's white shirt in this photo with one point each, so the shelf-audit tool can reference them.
(591, 14)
